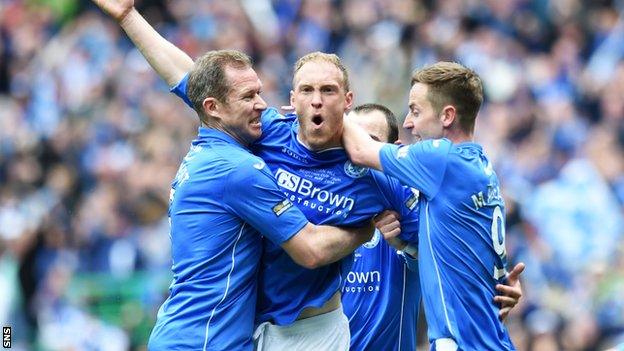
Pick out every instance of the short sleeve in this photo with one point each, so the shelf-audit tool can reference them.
(404, 201)
(180, 90)
(410, 211)
(420, 165)
(252, 193)
(274, 126)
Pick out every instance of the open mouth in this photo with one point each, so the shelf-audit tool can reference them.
(317, 120)
(255, 122)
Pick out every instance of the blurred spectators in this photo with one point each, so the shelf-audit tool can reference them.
(90, 139)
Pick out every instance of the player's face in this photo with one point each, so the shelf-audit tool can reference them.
(422, 120)
(374, 123)
(240, 114)
(320, 100)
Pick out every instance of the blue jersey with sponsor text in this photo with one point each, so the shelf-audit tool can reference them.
(221, 198)
(461, 241)
(329, 189)
(381, 297)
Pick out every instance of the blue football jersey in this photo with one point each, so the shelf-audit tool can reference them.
(221, 198)
(329, 189)
(461, 241)
(381, 297)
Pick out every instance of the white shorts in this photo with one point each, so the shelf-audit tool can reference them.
(325, 332)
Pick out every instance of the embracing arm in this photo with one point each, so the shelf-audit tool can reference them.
(362, 149)
(168, 61)
(315, 246)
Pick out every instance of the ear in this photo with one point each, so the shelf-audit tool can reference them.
(211, 106)
(292, 98)
(349, 100)
(448, 116)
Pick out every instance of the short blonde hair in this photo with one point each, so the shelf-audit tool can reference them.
(450, 83)
(329, 58)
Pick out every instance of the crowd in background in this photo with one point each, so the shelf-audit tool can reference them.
(90, 139)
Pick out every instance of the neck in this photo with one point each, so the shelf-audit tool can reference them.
(318, 146)
(457, 136)
(219, 127)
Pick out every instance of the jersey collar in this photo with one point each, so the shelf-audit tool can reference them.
(210, 134)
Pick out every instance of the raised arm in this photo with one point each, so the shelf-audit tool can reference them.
(362, 149)
(168, 61)
(314, 246)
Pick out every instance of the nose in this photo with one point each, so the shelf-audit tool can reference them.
(316, 100)
(260, 103)
(408, 123)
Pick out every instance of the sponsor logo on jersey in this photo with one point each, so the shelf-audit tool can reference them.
(304, 192)
(362, 282)
(373, 241)
(282, 207)
(354, 171)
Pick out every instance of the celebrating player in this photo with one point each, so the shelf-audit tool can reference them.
(462, 253)
(298, 308)
(382, 292)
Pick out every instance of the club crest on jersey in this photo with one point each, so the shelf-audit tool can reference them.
(354, 171)
(281, 207)
(373, 241)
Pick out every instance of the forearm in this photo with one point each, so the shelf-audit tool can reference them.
(362, 149)
(314, 246)
(168, 61)
(332, 243)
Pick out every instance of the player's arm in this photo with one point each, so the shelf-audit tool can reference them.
(510, 293)
(168, 61)
(318, 245)
(388, 224)
(362, 149)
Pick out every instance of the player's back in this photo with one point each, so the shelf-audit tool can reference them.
(464, 243)
(461, 239)
(214, 252)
